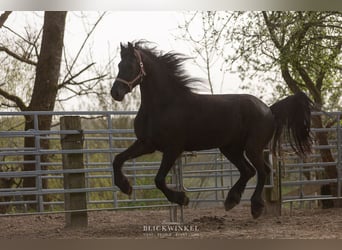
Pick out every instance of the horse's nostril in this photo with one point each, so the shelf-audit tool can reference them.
(117, 94)
(113, 93)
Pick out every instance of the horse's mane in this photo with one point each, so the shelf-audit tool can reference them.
(172, 62)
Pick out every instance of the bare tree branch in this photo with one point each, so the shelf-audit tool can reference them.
(26, 48)
(82, 47)
(17, 100)
(4, 17)
(18, 57)
(97, 79)
(72, 77)
(23, 38)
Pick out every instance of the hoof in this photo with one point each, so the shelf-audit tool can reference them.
(257, 209)
(229, 205)
(128, 190)
(181, 199)
(125, 187)
(256, 213)
(231, 201)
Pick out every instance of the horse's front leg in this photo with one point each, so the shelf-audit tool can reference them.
(167, 162)
(138, 148)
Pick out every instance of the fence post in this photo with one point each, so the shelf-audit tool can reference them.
(272, 195)
(73, 201)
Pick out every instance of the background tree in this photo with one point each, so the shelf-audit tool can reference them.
(289, 52)
(45, 85)
(309, 49)
(35, 59)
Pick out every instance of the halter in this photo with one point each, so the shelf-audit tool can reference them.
(140, 75)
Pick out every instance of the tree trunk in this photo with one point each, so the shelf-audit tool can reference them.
(45, 86)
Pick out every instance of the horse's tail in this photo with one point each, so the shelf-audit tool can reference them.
(294, 112)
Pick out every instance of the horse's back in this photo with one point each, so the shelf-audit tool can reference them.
(256, 116)
(227, 120)
(241, 105)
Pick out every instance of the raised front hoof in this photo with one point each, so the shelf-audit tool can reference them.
(125, 187)
(228, 205)
(231, 201)
(182, 199)
(257, 209)
(127, 190)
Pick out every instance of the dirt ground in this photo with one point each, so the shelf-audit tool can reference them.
(208, 223)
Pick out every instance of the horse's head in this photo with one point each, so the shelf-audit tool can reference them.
(131, 72)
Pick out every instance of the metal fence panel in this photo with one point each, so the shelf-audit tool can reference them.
(302, 179)
(206, 176)
(104, 138)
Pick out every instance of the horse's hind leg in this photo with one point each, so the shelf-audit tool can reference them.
(246, 170)
(257, 159)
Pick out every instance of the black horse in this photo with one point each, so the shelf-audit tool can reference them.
(173, 119)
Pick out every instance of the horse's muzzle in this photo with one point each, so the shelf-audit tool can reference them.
(118, 92)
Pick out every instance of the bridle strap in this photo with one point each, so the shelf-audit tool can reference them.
(140, 75)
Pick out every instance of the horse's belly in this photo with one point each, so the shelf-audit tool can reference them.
(213, 138)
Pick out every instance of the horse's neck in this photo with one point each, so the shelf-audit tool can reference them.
(156, 93)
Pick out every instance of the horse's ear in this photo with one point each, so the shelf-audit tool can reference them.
(130, 47)
(122, 47)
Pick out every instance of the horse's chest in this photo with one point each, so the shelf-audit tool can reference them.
(146, 127)
(156, 129)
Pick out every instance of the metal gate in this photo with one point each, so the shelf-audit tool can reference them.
(302, 179)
